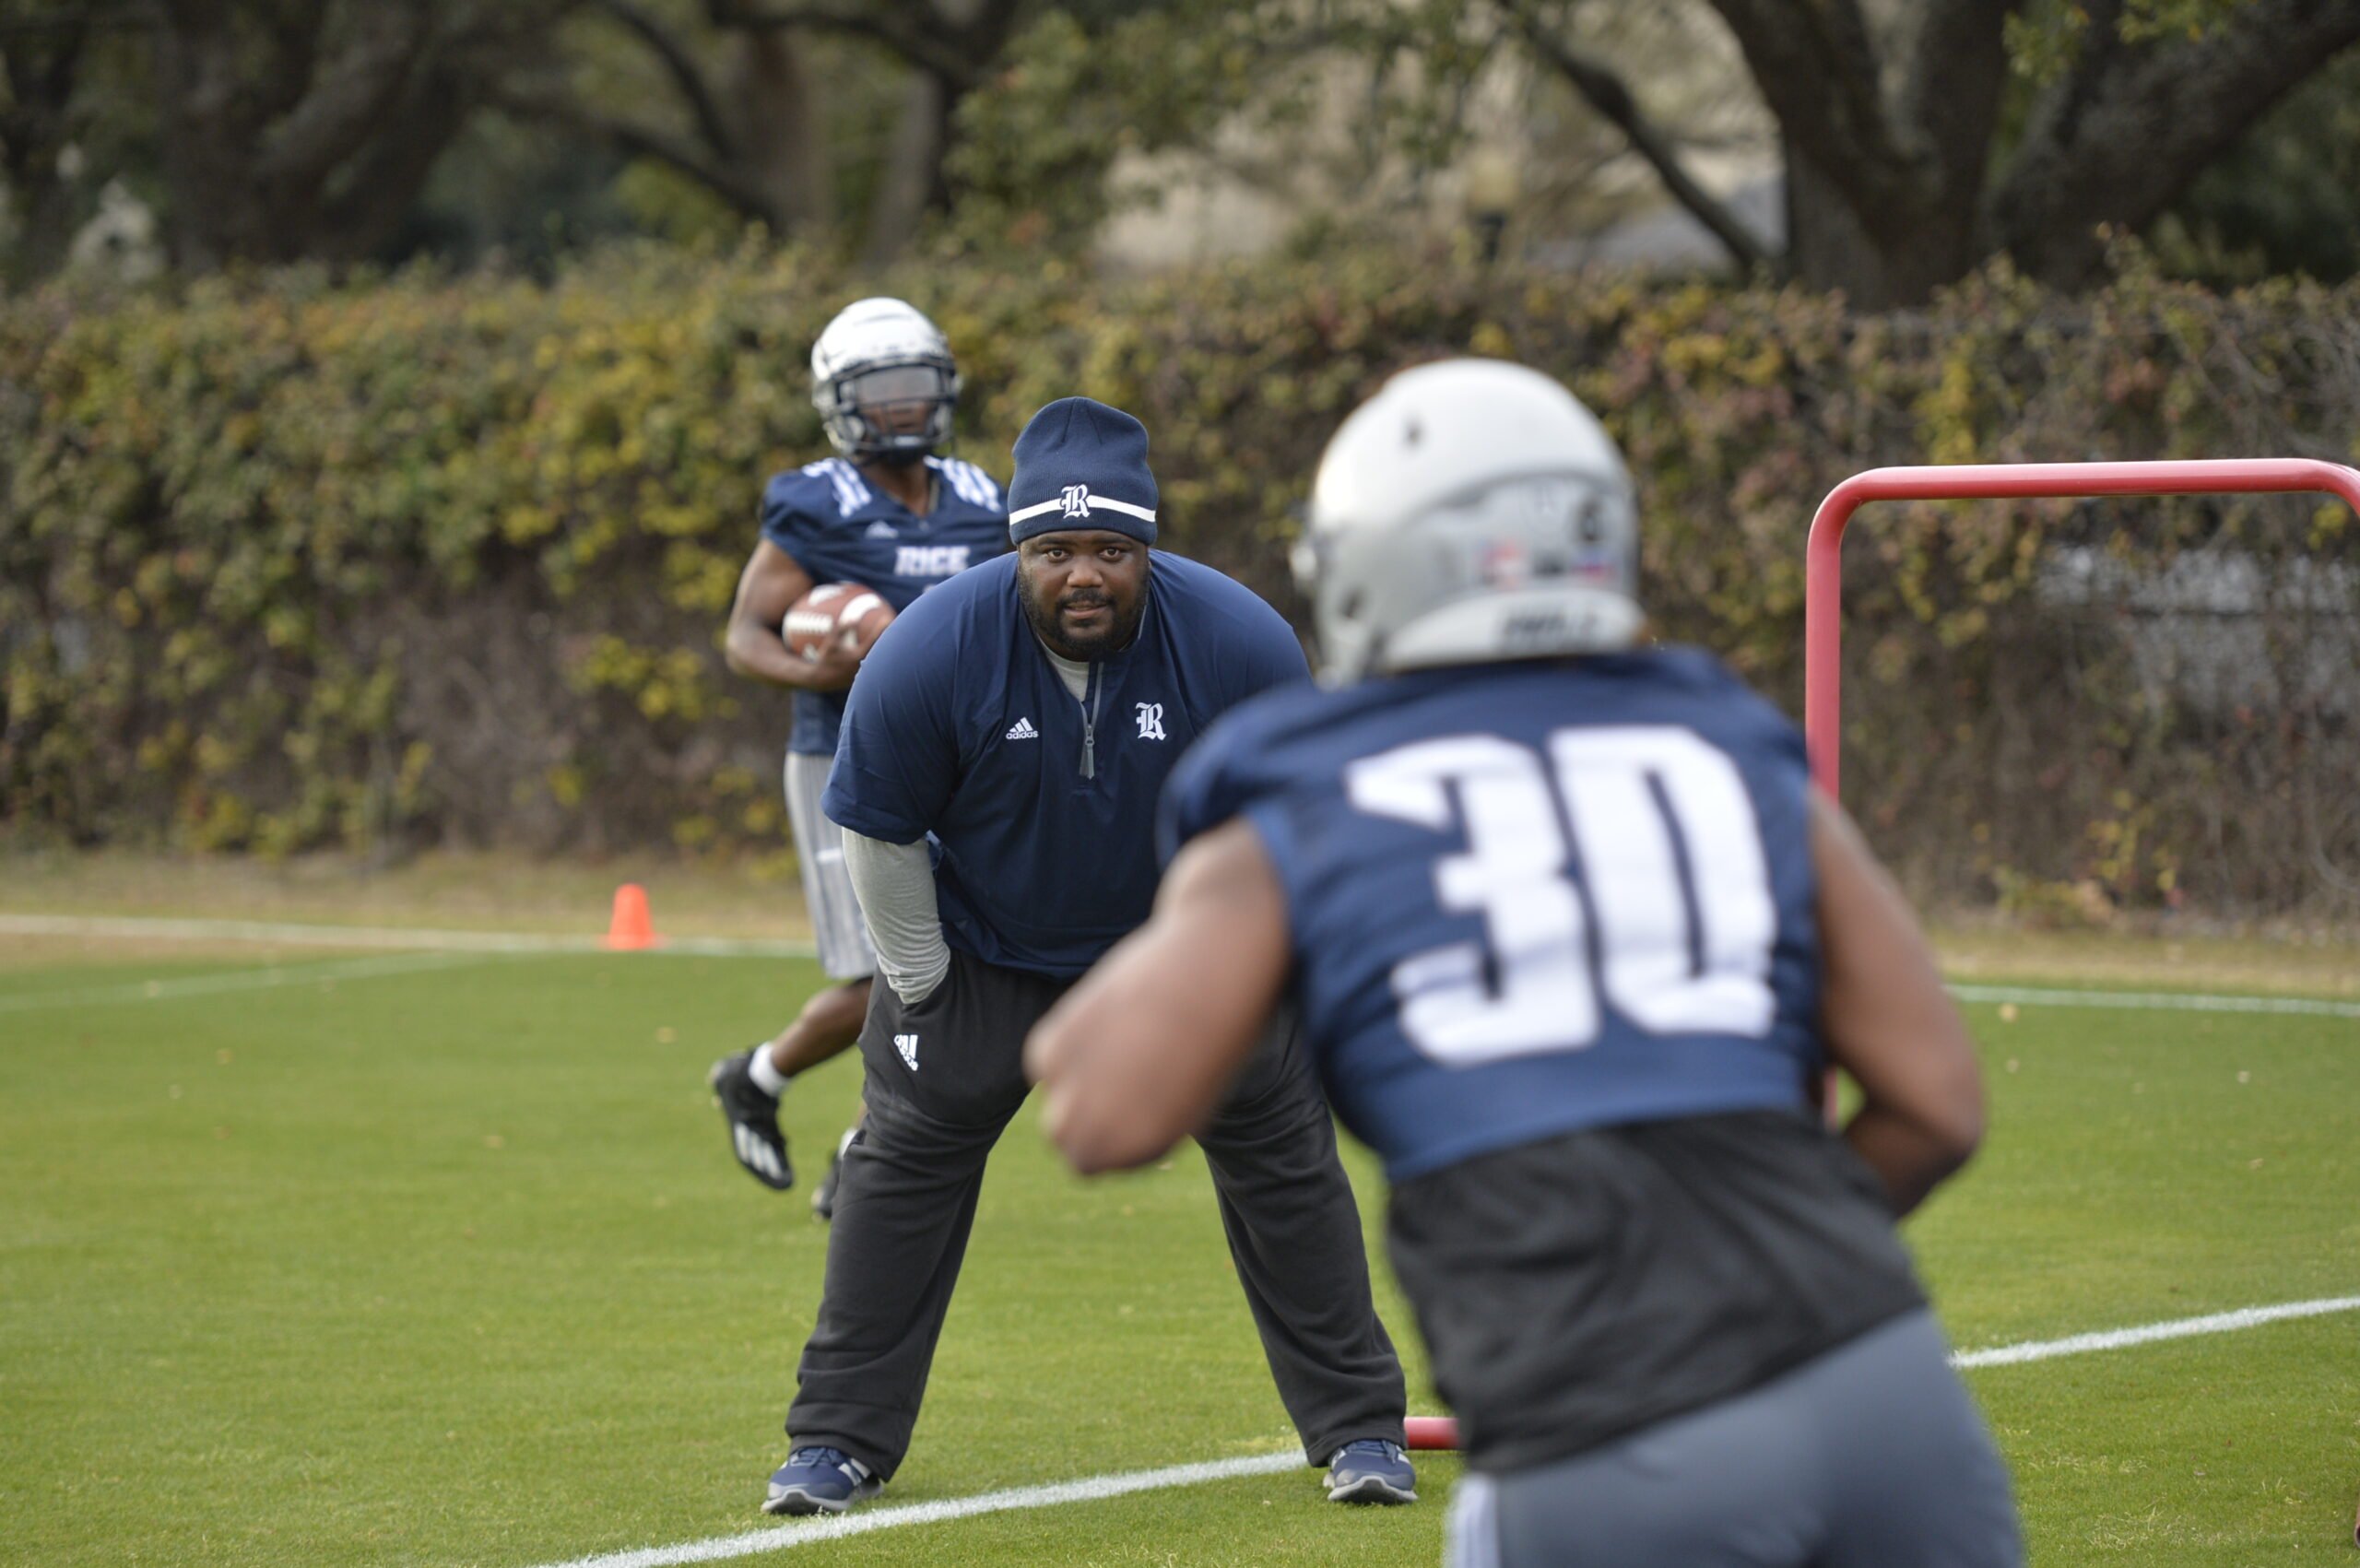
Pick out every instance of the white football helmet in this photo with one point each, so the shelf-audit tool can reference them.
(1471, 511)
(883, 381)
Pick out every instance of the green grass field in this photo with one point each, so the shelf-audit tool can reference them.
(443, 1261)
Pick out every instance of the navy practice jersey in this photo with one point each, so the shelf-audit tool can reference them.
(1528, 898)
(841, 528)
(1043, 808)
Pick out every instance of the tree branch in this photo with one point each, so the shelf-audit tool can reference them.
(2119, 141)
(686, 74)
(1817, 68)
(384, 179)
(941, 49)
(1957, 71)
(640, 141)
(1611, 96)
(81, 17)
(340, 108)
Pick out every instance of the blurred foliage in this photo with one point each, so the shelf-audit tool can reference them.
(2045, 37)
(597, 119)
(1078, 90)
(285, 563)
(2285, 198)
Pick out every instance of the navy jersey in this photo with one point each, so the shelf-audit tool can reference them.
(1043, 808)
(1532, 898)
(841, 528)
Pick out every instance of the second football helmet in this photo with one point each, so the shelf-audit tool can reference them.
(884, 382)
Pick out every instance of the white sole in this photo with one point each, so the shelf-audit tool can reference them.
(1369, 1488)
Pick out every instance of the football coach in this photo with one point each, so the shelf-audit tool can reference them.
(997, 777)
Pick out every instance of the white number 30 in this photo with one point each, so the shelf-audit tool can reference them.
(1671, 858)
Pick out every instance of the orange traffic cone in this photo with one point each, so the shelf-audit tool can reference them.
(631, 928)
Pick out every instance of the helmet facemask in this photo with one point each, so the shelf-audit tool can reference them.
(894, 411)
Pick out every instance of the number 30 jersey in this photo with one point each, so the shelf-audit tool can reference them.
(1531, 898)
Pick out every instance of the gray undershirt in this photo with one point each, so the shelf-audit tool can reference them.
(1075, 673)
(894, 883)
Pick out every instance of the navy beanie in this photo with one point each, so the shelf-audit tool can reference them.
(1081, 465)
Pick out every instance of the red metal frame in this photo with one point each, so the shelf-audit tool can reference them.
(1824, 557)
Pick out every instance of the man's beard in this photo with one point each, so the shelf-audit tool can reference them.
(1120, 628)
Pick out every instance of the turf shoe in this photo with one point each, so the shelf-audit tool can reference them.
(1371, 1470)
(753, 1116)
(819, 1480)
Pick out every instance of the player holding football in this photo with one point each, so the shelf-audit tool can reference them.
(888, 514)
(1572, 935)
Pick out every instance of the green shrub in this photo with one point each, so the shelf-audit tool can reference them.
(291, 564)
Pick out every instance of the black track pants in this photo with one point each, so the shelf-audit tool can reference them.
(943, 1079)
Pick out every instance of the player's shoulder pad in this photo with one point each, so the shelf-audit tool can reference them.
(818, 492)
(970, 483)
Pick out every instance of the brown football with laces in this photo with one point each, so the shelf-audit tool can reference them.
(836, 615)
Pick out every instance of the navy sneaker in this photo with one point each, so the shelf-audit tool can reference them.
(819, 1480)
(753, 1116)
(1371, 1470)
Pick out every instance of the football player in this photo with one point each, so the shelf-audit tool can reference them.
(1573, 938)
(890, 513)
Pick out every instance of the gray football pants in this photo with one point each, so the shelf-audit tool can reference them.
(1869, 1457)
(905, 1201)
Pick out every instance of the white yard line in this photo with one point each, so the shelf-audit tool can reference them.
(1089, 1490)
(2156, 1001)
(422, 939)
(2148, 1333)
(780, 1537)
(317, 971)
(409, 939)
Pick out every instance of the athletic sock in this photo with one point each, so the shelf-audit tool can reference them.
(767, 1078)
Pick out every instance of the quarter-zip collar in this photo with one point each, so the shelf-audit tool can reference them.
(1088, 679)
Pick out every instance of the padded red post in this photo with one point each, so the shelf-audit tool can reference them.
(1430, 1431)
(1824, 557)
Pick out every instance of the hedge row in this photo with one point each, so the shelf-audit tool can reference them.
(284, 564)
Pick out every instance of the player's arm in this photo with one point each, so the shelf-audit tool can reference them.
(1137, 1056)
(767, 589)
(1888, 1022)
(893, 883)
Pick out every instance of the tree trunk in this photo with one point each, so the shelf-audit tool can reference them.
(382, 183)
(217, 212)
(1901, 263)
(35, 126)
(45, 226)
(912, 179)
(777, 110)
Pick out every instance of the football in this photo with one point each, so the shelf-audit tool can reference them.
(841, 614)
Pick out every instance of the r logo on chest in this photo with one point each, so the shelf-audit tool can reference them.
(1150, 715)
